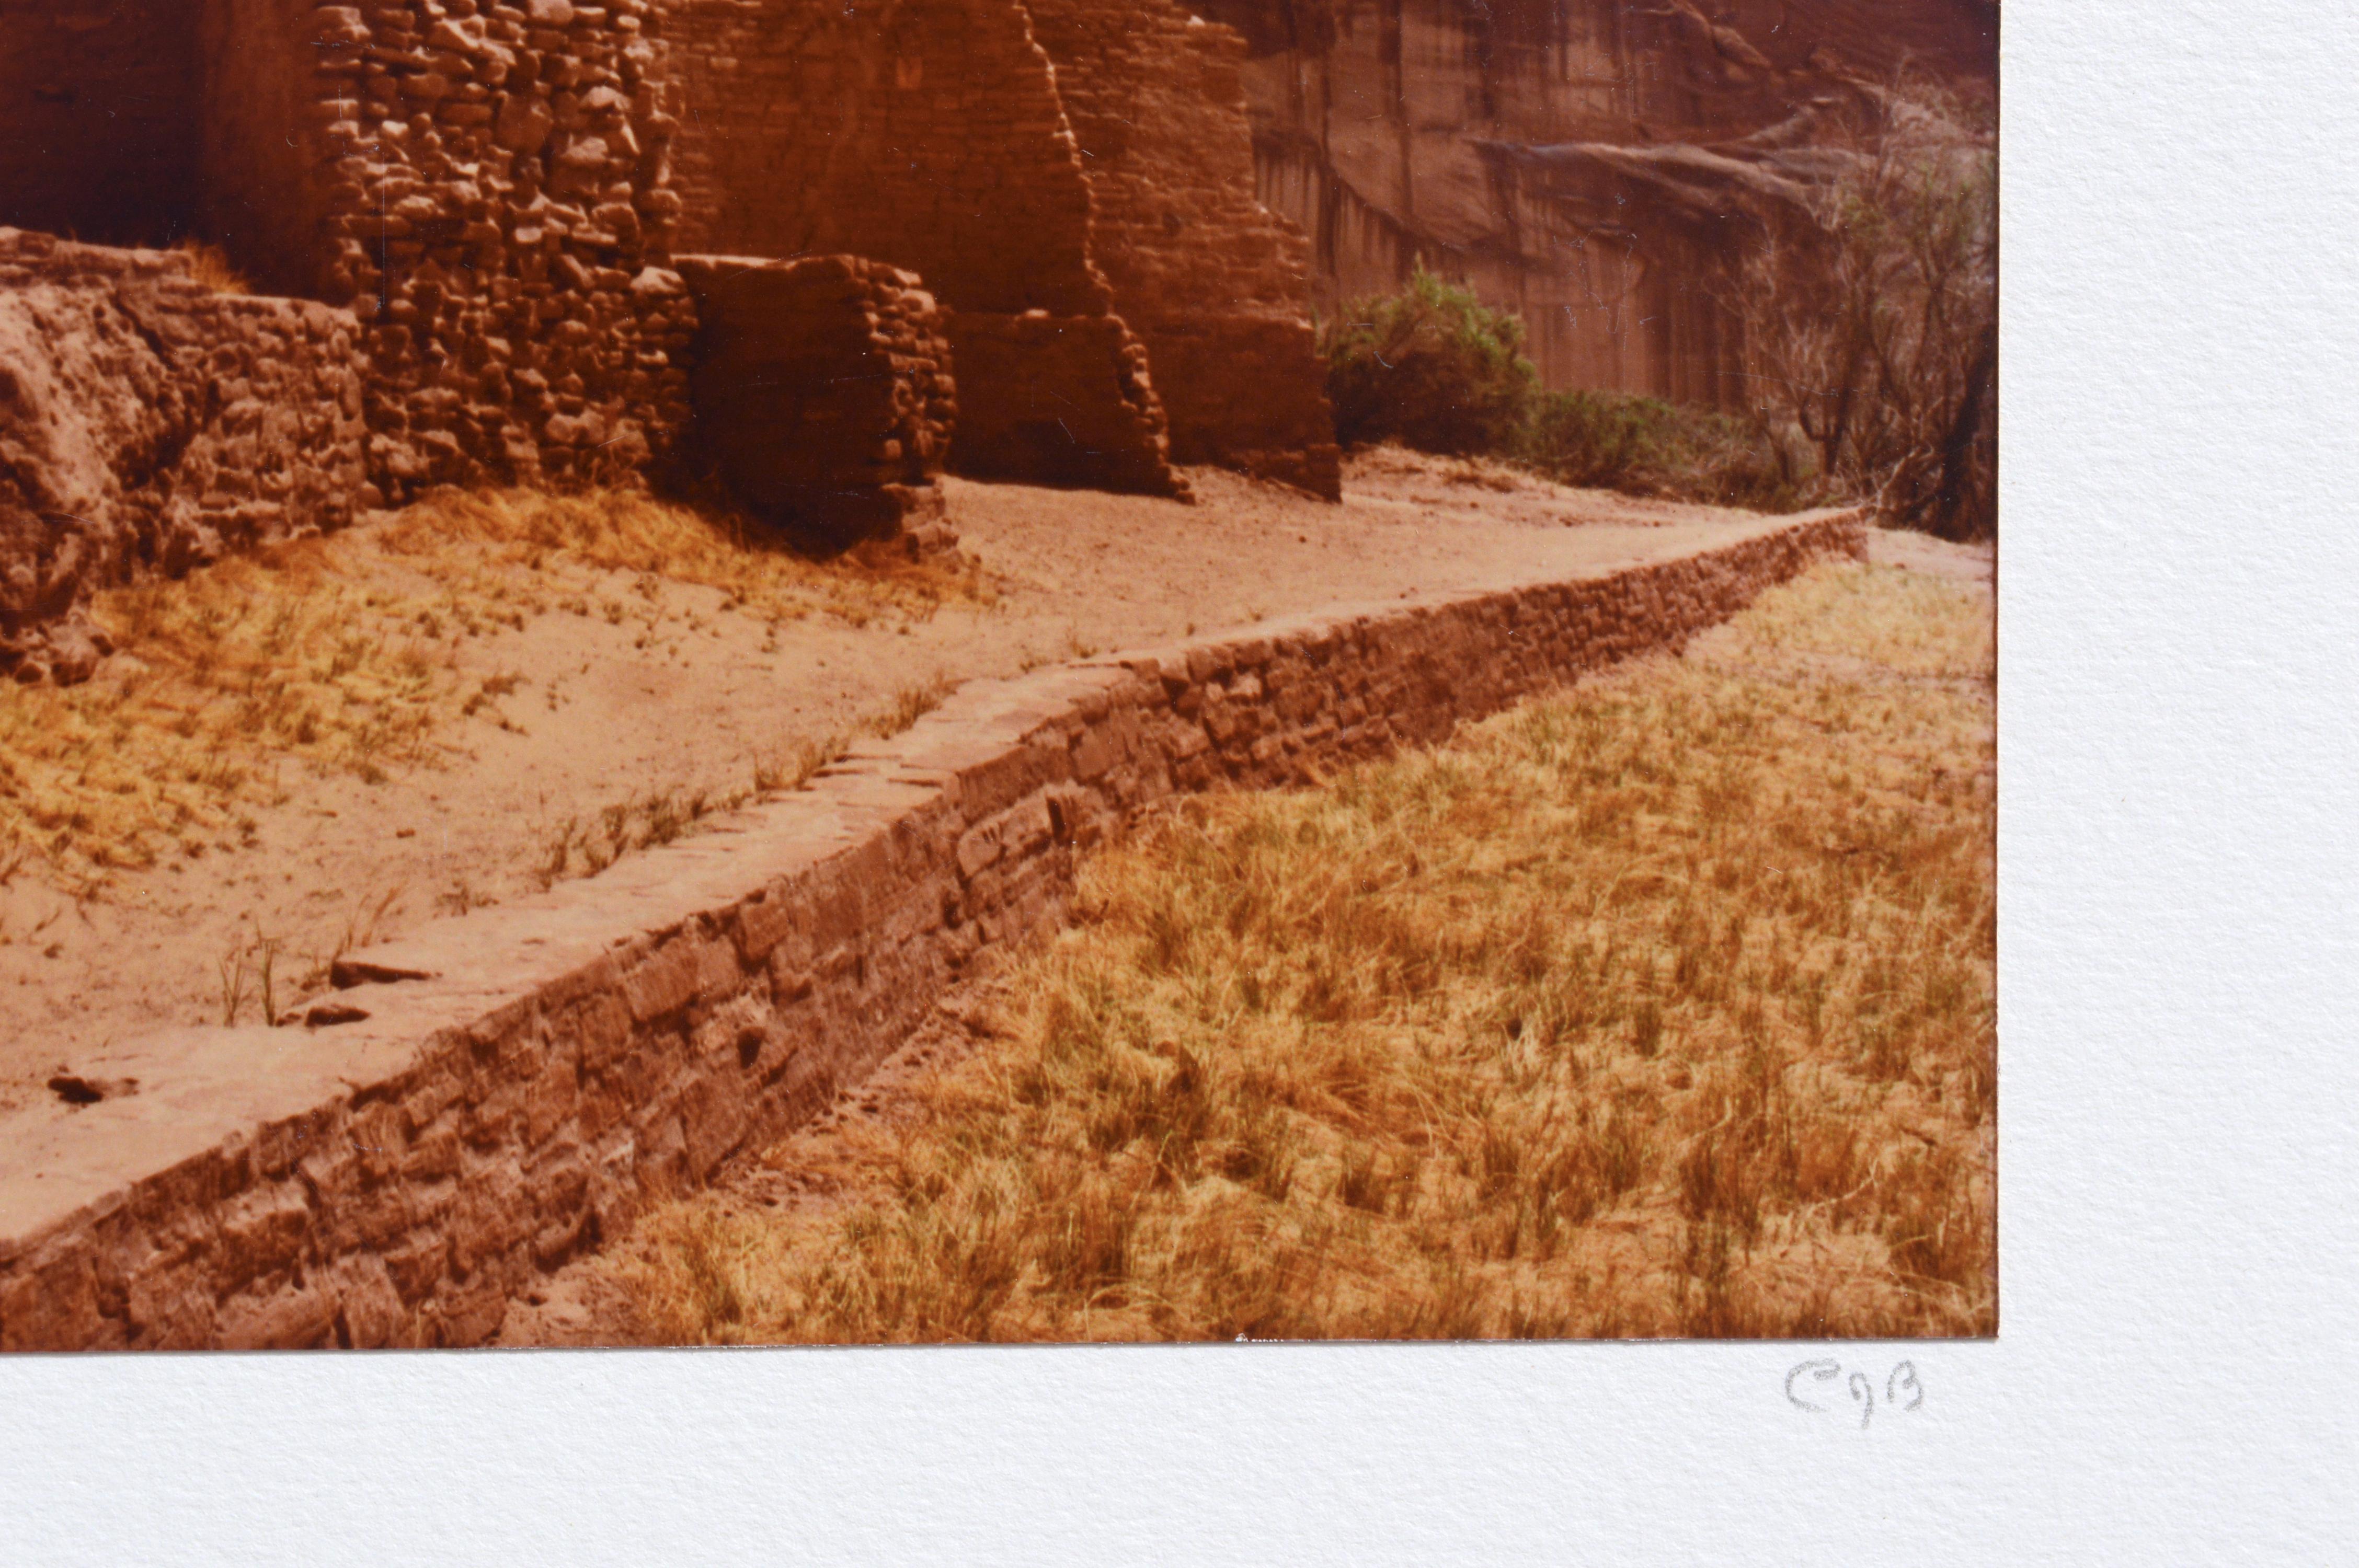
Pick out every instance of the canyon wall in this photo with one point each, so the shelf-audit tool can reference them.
(1390, 129)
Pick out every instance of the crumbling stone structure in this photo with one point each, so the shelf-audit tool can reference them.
(480, 185)
(932, 137)
(824, 393)
(147, 422)
(1073, 178)
(486, 189)
(1067, 402)
(1211, 281)
(495, 192)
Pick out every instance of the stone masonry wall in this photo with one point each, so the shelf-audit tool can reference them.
(496, 189)
(147, 425)
(1215, 284)
(485, 186)
(260, 184)
(550, 1068)
(823, 393)
(928, 134)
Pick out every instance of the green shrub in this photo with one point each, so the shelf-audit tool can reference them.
(1613, 440)
(1430, 367)
(1434, 368)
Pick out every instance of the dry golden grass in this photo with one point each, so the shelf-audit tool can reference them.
(619, 530)
(1660, 1006)
(345, 655)
(213, 269)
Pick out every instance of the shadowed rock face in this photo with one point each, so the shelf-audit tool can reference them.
(1580, 161)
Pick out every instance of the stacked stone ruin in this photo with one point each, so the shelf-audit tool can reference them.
(824, 392)
(149, 423)
(499, 204)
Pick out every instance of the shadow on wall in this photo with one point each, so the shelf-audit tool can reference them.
(1065, 400)
(98, 108)
(823, 396)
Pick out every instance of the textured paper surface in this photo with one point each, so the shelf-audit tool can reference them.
(2173, 1377)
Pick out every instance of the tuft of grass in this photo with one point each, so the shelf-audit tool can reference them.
(211, 267)
(912, 703)
(790, 768)
(1659, 1007)
(225, 675)
(575, 847)
(624, 531)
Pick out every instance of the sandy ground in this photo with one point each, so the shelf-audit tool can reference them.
(1922, 553)
(605, 714)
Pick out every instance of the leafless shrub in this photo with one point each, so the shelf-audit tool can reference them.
(1871, 312)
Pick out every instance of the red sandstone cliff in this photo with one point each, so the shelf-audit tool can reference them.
(1393, 128)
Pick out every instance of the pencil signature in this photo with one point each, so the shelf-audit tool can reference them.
(1903, 1391)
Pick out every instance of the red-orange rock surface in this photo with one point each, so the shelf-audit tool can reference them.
(1393, 128)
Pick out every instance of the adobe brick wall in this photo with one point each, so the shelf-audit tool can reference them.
(931, 137)
(1215, 284)
(148, 423)
(1059, 400)
(823, 393)
(574, 1058)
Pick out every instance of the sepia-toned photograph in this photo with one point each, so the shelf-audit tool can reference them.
(753, 672)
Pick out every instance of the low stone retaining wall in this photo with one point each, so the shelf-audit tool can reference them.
(500, 1091)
